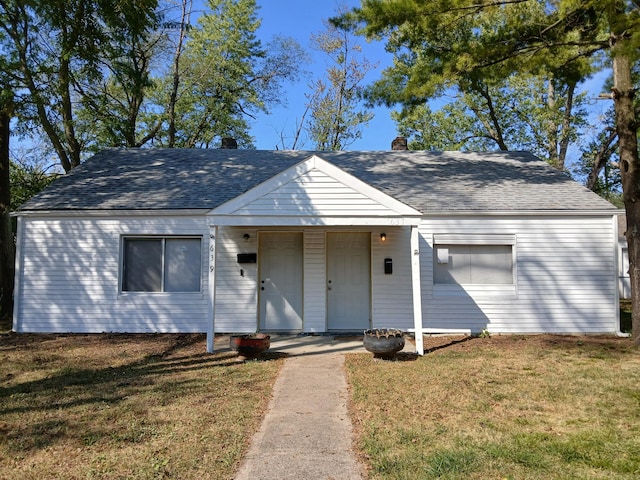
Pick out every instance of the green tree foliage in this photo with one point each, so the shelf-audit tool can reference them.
(226, 77)
(26, 180)
(55, 47)
(113, 103)
(522, 112)
(203, 82)
(114, 73)
(335, 118)
(444, 43)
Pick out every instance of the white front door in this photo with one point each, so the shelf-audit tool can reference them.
(348, 281)
(280, 267)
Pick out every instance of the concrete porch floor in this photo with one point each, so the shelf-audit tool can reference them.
(302, 344)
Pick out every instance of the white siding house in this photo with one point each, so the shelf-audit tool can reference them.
(314, 242)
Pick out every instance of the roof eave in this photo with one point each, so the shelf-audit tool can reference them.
(525, 213)
(111, 212)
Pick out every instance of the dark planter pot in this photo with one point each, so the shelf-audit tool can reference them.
(383, 342)
(251, 345)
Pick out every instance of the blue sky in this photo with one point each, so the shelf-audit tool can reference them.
(299, 19)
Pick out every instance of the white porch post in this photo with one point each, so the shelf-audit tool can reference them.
(417, 296)
(213, 233)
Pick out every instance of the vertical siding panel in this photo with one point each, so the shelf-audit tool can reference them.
(315, 314)
(392, 294)
(236, 294)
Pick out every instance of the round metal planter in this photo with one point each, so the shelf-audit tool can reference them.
(383, 342)
(251, 345)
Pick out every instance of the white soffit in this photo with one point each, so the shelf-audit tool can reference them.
(314, 188)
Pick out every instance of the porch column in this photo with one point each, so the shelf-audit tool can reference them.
(213, 233)
(417, 295)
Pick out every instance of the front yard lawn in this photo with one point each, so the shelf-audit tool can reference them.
(126, 406)
(510, 407)
(157, 406)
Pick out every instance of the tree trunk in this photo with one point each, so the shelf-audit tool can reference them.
(603, 156)
(623, 93)
(173, 97)
(565, 136)
(552, 127)
(6, 236)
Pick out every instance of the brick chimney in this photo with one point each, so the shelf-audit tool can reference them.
(228, 142)
(399, 143)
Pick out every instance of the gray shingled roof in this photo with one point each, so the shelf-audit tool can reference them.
(158, 179)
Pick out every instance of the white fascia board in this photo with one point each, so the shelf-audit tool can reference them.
(301, 221)
(295, 171)
(111, 213)
(522, 213)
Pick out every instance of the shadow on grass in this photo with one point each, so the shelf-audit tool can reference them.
(449, 343)
(73, 386)
(399, 357)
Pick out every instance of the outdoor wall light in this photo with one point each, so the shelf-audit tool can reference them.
(383, 237)
(246, 236)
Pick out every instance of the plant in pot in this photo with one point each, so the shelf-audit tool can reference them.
(250, 345)
(383, 342)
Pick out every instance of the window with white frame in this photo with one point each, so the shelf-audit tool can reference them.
(161, 264)
(474, 260)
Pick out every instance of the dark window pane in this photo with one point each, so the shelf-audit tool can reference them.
(142, 265)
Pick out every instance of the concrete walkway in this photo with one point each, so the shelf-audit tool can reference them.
(306, 432)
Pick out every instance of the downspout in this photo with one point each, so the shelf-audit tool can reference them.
(213, 233)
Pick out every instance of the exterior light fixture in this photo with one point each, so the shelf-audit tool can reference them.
(383, 237)
(246, 237)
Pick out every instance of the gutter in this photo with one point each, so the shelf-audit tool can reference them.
(110, 212)
(523, 213)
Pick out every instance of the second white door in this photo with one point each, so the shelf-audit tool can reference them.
(348, 281)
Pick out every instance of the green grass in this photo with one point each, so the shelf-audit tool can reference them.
(542, 407)
(157, 406)
(126, 406)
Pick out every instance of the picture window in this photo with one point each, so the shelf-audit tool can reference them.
(161, 264)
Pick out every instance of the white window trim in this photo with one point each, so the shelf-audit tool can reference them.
(484, 291)
(163, 238)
